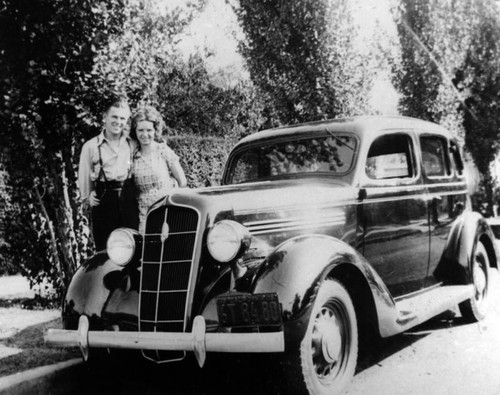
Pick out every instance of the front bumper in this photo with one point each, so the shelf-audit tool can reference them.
(198, 341)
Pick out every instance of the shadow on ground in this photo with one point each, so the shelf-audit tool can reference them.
(381, 349)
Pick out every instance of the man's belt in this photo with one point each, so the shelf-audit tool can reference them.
(109, 185)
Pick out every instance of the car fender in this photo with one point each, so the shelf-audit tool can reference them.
(297, 267)
(87, 293)
(464, 235)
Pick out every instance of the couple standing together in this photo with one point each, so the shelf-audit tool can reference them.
(121, 175)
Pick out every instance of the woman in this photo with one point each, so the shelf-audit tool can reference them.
(154, 162)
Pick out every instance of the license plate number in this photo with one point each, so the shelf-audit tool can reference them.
(249, 310)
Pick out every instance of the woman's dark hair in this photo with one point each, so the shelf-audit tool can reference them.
(149, 114)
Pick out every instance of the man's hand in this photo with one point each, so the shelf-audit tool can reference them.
(93, 200)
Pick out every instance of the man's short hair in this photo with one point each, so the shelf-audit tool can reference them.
(116, 101)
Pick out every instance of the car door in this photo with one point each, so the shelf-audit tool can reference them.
(447, 190)
(394, 213)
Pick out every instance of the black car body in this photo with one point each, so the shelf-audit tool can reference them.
(318, 232)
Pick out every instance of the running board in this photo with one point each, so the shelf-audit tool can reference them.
(422, 306)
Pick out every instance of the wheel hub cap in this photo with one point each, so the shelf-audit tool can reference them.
(328, 342)
(479, 279)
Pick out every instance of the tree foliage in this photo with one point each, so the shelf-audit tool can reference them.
(135, 56)
(480, 80)
(301, 55)
(450, 73)
(434, 36)
(47, 49)
(192, 103)
(143, 62)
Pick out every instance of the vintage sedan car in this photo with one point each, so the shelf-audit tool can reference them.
(320, 233)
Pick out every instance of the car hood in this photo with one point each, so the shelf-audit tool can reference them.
(264, 197)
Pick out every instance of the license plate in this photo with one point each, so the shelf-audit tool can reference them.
(249, 310)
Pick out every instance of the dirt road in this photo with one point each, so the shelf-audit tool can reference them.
(443, 356)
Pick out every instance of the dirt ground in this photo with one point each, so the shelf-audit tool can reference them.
(441, 357)
(22, 328)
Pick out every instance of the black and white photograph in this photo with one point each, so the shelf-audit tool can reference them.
(250, 197)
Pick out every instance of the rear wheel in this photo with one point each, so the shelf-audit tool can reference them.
(475, 308)
(328, 352)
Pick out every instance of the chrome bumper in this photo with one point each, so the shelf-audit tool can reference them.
(197, 341)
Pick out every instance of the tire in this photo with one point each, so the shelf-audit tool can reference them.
(327, 355)
(475, 308)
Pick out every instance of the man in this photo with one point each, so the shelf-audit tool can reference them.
(105, 166)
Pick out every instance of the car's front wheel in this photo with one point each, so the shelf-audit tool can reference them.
(327, 357)
(475, 308)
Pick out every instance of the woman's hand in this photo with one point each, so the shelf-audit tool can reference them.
(178, 174)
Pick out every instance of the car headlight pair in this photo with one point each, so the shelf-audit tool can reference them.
(227, 239)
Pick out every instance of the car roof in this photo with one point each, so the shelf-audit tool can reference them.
(362, 125)
(493, 220)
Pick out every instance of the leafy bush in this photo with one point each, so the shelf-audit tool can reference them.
(202, 158)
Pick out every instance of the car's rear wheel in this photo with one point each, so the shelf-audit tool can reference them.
(475, 308)
(327, 357)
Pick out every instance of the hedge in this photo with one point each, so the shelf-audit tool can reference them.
(202, 158)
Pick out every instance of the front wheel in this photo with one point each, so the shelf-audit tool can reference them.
(328, 352)
(475, 308)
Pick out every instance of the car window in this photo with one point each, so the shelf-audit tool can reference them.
(457, 158)
(496, 230)
(332, 154)
(390, 156)
(435, 156)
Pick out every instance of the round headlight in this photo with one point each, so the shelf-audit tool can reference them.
(121, 246)
(226, 239)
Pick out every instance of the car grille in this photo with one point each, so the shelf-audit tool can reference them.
(166, 274)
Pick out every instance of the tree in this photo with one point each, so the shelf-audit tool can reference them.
(434, 36)
(450, 73)
(302, 57)
(480, 80)
(132, 61)
(47, 52)
(193, 103)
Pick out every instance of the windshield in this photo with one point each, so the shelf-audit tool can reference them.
(333, 154)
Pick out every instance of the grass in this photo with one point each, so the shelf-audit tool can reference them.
(23, 323)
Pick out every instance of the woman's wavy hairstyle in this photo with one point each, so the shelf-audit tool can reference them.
(151, 114)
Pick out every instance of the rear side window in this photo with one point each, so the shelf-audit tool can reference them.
(496, 230)
(391, 156)
(457, 158)
(435, 156)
